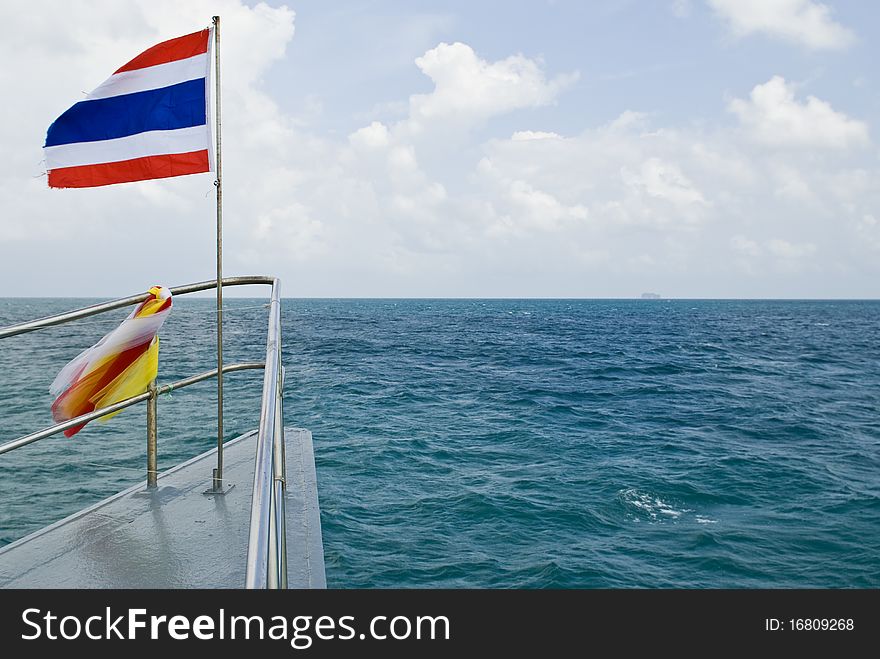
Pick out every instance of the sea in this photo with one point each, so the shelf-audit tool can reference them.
(512, 443)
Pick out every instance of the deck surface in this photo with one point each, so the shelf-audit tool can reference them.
(175, 536)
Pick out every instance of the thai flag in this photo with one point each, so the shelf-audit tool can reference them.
(149, 120)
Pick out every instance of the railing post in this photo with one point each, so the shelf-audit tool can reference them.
(280, 477)
(272, 557)
(152, 435)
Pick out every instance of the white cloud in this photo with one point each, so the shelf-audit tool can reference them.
(373, 136)
(541, 209)
(468, 88)
(685, 200)
(518, 207)
(629, 120)
(290, 227)
(616, 179)
(732, 168)
(534, 135)
(745, 246)
(800, 21)
(663, 180)
(781, 249)
(786, 250)
(868, 231)
(773, 116)
(413, 203)
(791, 183)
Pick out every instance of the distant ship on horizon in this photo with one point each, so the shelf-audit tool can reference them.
(650, 296)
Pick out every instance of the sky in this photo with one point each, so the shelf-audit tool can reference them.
(691, 148)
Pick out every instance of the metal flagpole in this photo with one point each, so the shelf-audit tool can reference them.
(218, 183)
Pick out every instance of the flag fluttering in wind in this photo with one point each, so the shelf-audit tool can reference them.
(119, 366)
(148, 120)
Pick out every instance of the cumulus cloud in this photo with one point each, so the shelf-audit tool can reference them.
(790, 182)
(745, 246)
(525, 207)
(469, 88)
(868, 231)
(782, 249)
(371, 137)
(663, 180)
(799, 21)
(534, 135)
(772, 115)
(615, 176)
(410, 199)
(787, 250)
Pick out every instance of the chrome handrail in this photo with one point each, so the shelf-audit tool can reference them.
(121, 405)
(266, 560)
(267, 552)
(85, 312)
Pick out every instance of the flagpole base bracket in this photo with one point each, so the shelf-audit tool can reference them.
(218, 491)
(217, 486)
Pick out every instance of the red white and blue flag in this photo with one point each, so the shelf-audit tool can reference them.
(149, 120)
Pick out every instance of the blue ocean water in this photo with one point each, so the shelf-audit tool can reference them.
(516, 443)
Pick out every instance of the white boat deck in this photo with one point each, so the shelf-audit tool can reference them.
(175, 536)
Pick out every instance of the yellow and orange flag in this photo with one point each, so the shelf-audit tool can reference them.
(120, 365)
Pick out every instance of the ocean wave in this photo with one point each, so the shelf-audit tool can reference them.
(644, 505)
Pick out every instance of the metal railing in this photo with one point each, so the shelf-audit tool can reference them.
(267, 548)
(267, 555)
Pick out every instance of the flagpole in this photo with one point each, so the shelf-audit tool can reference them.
(218, 183)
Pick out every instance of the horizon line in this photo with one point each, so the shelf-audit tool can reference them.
(468, 297)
